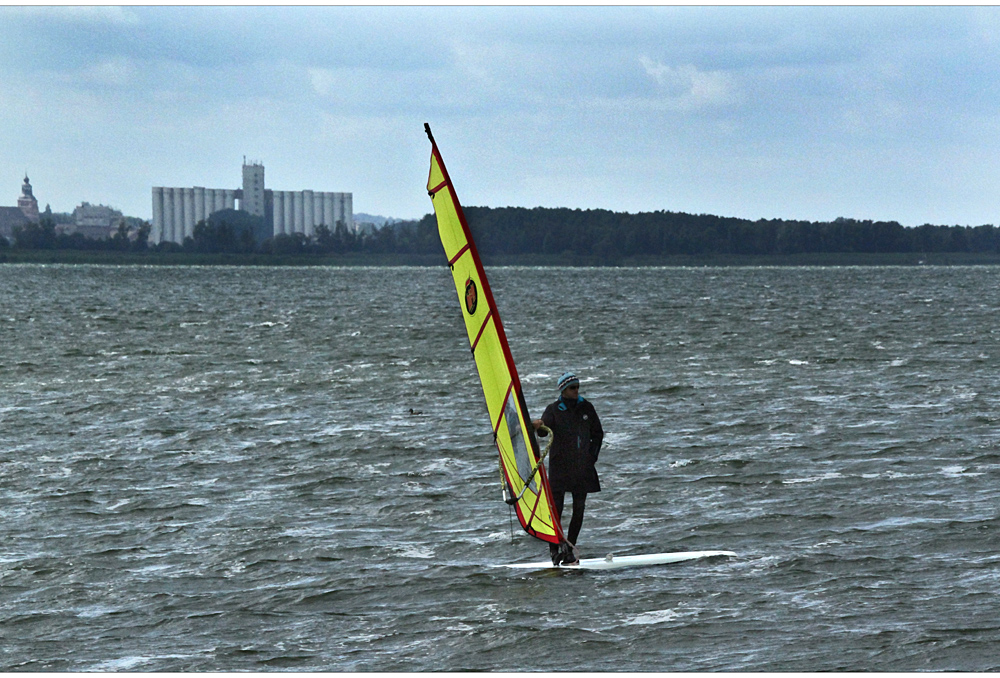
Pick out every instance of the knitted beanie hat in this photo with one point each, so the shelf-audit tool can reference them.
(566, 380)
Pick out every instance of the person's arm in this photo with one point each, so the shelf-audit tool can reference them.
(547, 419)
(596, 433)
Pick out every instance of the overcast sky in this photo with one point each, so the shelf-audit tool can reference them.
(758, 112)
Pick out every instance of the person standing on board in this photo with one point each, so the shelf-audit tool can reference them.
(577, 438)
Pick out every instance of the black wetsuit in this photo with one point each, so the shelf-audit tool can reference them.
(576, 444)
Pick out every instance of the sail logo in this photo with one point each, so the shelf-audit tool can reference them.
(471, 296)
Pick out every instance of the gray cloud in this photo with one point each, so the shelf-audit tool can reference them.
(799, 112)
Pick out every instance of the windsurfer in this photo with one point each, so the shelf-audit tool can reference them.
(576, 443)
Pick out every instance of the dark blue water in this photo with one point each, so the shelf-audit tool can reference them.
(216, 469)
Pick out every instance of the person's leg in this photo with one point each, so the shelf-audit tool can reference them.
(559, 499)
(576, 522)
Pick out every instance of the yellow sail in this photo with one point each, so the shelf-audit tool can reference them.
(514, 435)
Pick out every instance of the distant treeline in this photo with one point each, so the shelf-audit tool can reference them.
(550, 235)
(613, 235)
(43, 235)
(224, 232)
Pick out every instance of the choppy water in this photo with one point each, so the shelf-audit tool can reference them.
(216, 469)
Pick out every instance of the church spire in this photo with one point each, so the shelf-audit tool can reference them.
(27, 201)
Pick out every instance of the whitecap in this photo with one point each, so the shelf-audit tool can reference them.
(437, 466)
(653, 617)
(956, 471)
(120, 664)
(616, 438)
(823, 398)
(813, 479)
(536, 376)
(414, 551)
(95, 611)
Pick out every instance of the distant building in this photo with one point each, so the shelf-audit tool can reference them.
(95, 221)
(26, 212)
(253, 188)
(27, 201)
(177, 210)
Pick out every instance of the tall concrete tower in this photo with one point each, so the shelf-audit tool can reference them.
(253, 188)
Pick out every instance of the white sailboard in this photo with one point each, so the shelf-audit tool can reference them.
(613, 562)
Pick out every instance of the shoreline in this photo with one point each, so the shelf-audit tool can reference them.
(431, 260)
